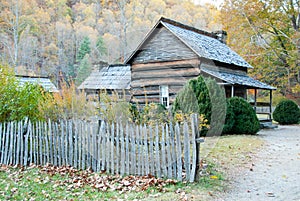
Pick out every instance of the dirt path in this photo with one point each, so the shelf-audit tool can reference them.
(276, 171)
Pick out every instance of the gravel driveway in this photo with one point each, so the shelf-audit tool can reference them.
(275, 174)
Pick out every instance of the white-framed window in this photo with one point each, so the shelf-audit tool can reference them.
(164, 95)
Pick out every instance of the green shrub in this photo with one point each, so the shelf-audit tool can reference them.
(205, 97)
(240, 117)
(287, 112)
(229, 120)
(18, 102)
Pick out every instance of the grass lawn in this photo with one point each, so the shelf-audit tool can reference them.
(220, 156)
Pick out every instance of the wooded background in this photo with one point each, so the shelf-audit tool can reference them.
(44, 37)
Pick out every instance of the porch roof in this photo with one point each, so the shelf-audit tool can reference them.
(238, 79)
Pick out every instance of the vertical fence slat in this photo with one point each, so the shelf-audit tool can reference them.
(117, 148)
(107, 148)
(12, 142)
(31, 150)
(157, 150)
(133, 151)
(26, 144)
(40, 142)
(51, 161)
(46, 134)
(163, 152)
(122, 172)
(23, 134)
(83, 145)
(142, 151)
(13, 148)
(193, 151)
(173, 152)
(169, 158)
(66, 142)
(178, 156)
(18, 145)
(71, 146)
(94, 146)
(103, 136)
(127, 149)
(54, 144)
(186, 150)
(146, 157)
(6, 134)
(112, 136)
(89, 147)
(151, 158)
(98, 147)
(58, 140)
(75, 144)
(139, 159)
(62, 141)
(2, 136)
(80, 134)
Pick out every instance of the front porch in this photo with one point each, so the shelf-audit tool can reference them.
(242, 85)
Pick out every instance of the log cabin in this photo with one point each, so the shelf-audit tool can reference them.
(173, 53)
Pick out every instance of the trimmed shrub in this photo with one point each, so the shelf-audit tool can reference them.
(229, 120)
(240, 117)
(205, 97)
(287, 112)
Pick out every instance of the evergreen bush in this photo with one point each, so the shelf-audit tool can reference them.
(205, 97)
(287, 112)
(240, 117)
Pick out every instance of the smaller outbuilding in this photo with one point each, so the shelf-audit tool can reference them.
(44, 82)
(112, 78)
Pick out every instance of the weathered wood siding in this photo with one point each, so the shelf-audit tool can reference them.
(215, 66)
(163, 46)
(163, 60)
(146, 79)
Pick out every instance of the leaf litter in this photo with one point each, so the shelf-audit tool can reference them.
(77, 179)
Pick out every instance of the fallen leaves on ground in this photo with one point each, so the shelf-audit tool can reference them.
(102, 182)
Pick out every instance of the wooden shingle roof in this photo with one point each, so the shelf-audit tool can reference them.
(45, 82)
(238, 79)
(117, 76)
(204, 44)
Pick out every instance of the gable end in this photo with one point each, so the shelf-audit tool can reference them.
(162, 46)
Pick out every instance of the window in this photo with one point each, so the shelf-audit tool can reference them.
(164, 95)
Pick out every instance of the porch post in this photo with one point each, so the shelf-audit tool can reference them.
(232, 91)
(271, 104)
(255, 99)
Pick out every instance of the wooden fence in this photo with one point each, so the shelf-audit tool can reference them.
(166, 150)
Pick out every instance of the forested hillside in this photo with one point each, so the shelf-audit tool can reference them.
(267, 34)
(44, 37)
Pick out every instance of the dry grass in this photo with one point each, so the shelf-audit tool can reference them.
(231, 153)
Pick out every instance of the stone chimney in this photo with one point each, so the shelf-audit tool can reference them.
(221, 36)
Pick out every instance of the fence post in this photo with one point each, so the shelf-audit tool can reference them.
(198, 141)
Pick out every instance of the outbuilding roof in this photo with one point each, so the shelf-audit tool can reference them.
(238, 79)
(45, 82)
(204, 44)
(117, 76)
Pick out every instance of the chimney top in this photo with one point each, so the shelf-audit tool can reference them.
(221, 35)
